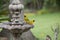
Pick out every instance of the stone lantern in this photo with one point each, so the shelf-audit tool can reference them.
(17, 25)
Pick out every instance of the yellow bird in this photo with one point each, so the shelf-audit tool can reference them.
(28, 21)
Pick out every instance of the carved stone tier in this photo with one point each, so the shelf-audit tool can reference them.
(10, 26)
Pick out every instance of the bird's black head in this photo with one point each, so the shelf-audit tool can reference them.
(24, 15)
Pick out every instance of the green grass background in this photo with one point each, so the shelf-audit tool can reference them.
(43, 24)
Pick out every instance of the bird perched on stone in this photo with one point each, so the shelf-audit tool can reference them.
(26, 18)
(28, 21)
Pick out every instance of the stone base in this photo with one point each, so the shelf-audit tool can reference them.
(5, 34)
(14, 31)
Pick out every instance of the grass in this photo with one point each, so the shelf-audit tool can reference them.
(43, 24)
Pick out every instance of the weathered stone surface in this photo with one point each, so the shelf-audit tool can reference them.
(28, 36)
(25, 36)
(17, 29)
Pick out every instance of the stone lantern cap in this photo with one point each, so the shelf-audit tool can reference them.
(14, 7)
(16, 4)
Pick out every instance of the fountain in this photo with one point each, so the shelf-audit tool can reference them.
(16, 26)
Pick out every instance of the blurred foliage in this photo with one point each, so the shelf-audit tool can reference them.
(52, 5)
(4, 7)
(42, 12)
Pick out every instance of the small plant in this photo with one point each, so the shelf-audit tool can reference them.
(56, 31)
(48, 37)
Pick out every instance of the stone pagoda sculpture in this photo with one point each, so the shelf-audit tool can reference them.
(16, 25)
